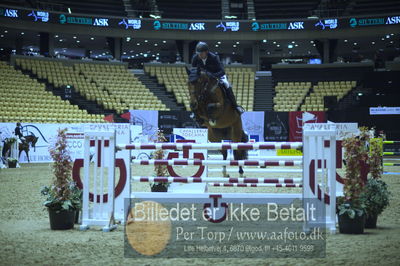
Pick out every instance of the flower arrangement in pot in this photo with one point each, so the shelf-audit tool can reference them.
(375, 196)
(12, 162)
(63, 197)
(350, 208)
(159, 170)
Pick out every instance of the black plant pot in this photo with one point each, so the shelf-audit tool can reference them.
(12, 164)
(159, 188)
(371, 220)
(351, 226)
(61, 220)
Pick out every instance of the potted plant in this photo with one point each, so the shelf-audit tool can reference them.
(12, 162)
(350, 209)
(160, 170)
(375, 196)
(63, 197)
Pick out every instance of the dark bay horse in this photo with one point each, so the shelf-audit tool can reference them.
(208, 102)
(24, 146)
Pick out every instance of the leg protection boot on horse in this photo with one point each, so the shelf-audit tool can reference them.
(232, 99)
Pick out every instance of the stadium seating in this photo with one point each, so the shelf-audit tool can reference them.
(315, 101)
(126, 89)
(290, 95)
(24, 99)
(105, 7)
(110, 85)
(188, 9)
(268, 9)
(174, 78)
(364, 7)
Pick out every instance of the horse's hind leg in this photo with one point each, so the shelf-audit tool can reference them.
(224, 155)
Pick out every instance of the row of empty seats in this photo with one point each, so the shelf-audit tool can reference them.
(338, 89)
(290, 95)
(175, 79)
(295, 96)
(110, 85)
(24, 99)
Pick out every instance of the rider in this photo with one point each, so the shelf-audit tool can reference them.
(209, 62)
(18, 131)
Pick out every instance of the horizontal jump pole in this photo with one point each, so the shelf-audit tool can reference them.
(216, 179)
(212, 146)
(386, 153)
(391, 142)
(252, 185)
(255, 170)
(216, 162)
(390, 159)
(391, 164)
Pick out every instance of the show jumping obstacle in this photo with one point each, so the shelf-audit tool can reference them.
(385, 158)
(318, 176)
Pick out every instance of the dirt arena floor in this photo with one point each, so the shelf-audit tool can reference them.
(26, 239)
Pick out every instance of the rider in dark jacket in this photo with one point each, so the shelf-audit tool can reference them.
(209, 62)
(18, 130)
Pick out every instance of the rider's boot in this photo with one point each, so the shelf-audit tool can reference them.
(232, 99)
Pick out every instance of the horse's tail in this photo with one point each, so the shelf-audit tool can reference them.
(245, 138)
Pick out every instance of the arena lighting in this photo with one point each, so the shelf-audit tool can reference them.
(278, 45)
(92, 38)
(2, 36)
(387, 36)
(234, 45)
(5, 31)
(60, 40)
(373, 42)
(56, 36)
(355, 43)
(128, 39)
(22, 33)
(264, 41)
(274, 42)
(138, 44)
(219, 42)
(237, 42)
(290, 46)
(293, 42)
(78, 41)
(74, 37)
(69, 10)
(155, 44)
(391, 34)
(360, 94)
(145, 40)
(345, 40)
(311, 41)
(164, 41)
(216, 45)
(296, 45)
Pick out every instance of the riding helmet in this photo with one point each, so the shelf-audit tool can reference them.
(201, 47)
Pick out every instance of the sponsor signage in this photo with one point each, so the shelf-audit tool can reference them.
(362, 22)
(190, 25)
(135, 24)
(327, 24)
(39, 16)
(384, 110)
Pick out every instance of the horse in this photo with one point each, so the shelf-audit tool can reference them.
(23, 146)
(208, 101)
